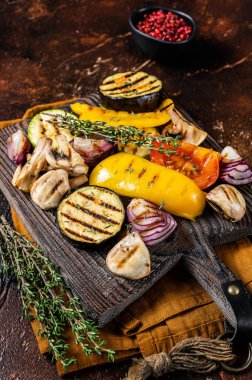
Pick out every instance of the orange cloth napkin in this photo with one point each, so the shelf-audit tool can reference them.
(175, 308)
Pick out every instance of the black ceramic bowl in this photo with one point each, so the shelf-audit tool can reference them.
(154, 47)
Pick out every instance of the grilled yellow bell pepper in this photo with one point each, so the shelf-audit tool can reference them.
(166, 105)
(137, 177)
(117, 118)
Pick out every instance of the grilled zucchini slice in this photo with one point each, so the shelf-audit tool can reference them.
(41, 127)
(91, 214)
(131, 91)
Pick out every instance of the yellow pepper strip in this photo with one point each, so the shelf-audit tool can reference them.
(136, 177)
(117, 118)
(166, 105)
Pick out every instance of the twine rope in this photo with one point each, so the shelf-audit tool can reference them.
(198, 354)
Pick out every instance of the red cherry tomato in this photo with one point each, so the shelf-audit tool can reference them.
(198, 163)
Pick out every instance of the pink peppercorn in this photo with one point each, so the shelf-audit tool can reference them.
(166, 26)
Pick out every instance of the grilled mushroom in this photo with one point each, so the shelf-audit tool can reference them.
(78, 181)
(180, 126)
(129, 258)
(228, 201)
(25, 176)
(49, 189)
(65, 157)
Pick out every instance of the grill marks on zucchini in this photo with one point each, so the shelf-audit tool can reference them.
(91, 214)
(44, 130)
(42, 125)
(111, 207)
(90, 226)
(80, 236)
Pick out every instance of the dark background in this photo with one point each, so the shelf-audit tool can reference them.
(56, 50)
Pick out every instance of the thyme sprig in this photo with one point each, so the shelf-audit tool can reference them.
(122, 134)
(44, 296)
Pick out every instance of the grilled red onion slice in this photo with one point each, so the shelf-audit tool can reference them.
(18, 146)
(152, 224)
(233, 169)
(93, 151)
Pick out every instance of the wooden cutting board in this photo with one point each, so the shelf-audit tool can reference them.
(83, 267)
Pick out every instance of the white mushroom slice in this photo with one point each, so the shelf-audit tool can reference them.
(129, 258)
(49, 189)
(16, 175)
(228, 201)
(179, 125)
(65, 157)
(25, 176)
(78, 181)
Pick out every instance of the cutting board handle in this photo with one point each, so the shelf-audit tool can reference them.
(226, 290)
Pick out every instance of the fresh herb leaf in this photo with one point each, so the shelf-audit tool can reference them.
(129, 227)
(122, 134)
(45, 297)
(131, 170)
(162, 204)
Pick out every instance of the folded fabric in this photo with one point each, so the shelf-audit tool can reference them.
(174, 309)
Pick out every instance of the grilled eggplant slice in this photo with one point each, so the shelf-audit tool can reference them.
(131, 91)
(91, 214)
(42, 126)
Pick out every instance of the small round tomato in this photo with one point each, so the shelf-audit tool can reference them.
(198, 163)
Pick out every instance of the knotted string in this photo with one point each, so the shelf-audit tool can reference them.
(197, 354)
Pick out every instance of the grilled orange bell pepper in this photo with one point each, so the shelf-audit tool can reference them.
(136, 177)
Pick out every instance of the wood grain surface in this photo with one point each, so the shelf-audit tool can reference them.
(83, 266)
(102, 294)
(57, 50)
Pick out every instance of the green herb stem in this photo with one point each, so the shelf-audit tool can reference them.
(43, 291)
(121, 134)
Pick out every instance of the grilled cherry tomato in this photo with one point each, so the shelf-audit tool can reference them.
(198, 163)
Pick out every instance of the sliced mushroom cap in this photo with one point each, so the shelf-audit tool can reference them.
(180, 126)
(78, 181)
(228, 201)
(130, 258)
(65, 157)
(49, 189)
(25, 176)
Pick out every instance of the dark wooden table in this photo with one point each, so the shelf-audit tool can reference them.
(55, 50)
